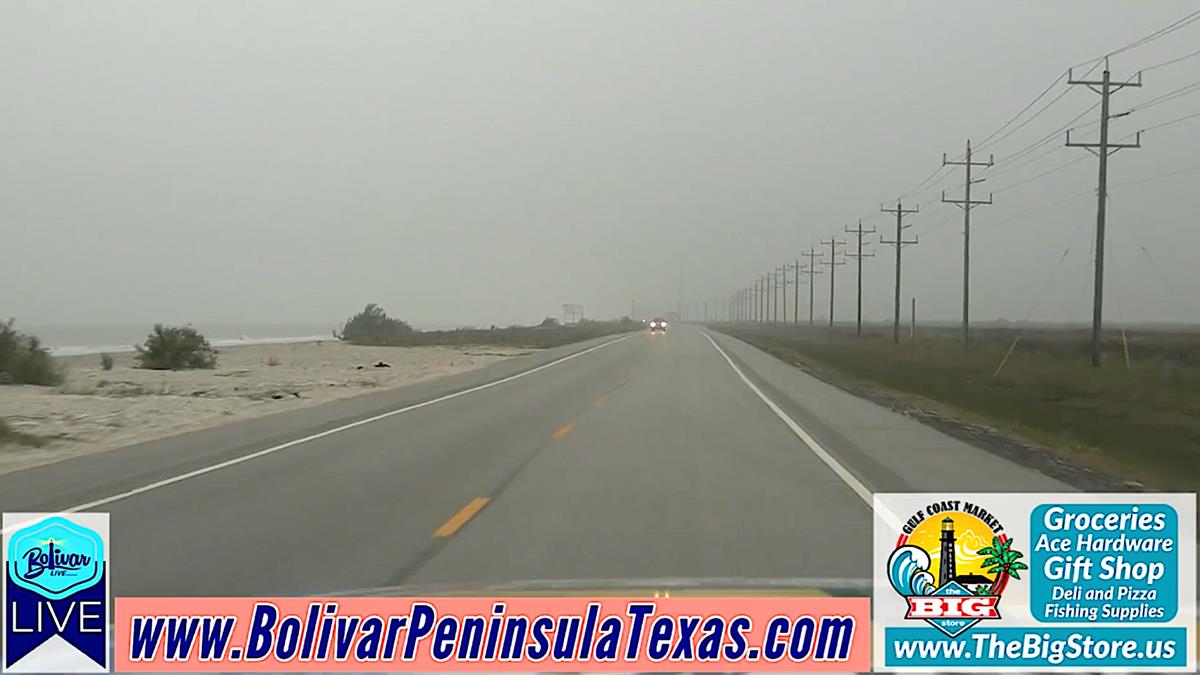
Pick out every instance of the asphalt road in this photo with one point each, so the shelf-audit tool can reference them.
(637, 457)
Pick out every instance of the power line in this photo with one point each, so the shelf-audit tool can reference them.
(1044, 207)
(1171, 62)
(1081, 157)
(1023, 110)
(1047, 138)
(1169, 28)
(1170, 95)
(1161, 176)
(925, 180)
(1168, 123)
(1040, 175)
(1173, 26)
(1094, 64)
(1031, 117)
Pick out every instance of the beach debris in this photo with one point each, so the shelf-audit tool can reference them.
(383, 364)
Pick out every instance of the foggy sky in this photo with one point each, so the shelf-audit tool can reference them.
(485, 162)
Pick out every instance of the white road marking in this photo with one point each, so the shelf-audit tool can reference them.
(864, 493)
(293, 443)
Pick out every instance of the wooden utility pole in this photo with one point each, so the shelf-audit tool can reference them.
(1105, 87)
(966, 204)
(762, 299)
(775, 295)
(782, 271)
(833, 264)
(859, 232)
(813, 258)
(795, 267)
(899, 242)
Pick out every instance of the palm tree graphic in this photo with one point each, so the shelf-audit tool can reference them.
(1003, 561)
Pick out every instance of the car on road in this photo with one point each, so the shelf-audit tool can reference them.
(658, 325)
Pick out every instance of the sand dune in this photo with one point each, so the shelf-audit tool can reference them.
(97, 410)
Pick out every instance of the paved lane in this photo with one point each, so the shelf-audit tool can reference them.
(680, 472)
(647, 457)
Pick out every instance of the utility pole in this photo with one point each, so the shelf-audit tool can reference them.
(756, 301)
(813, 257)
(966, 205)
(859, 232)
(795, 267)
(1102, 150)
(783, 275)
(833, 264)
(762, 299)
(773, 298)
(899, 242)
(766, 299)
(780, 275)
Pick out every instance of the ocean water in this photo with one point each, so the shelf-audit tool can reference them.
(72, 339)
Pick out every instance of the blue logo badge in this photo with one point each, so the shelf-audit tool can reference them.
(55, 586)
(56, 558)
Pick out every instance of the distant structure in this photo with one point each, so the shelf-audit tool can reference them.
(572, 313)
(947, 571)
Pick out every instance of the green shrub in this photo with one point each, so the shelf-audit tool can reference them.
(23, 359)
(549, 322)
(373, 326)
(176, 348)
(106, 361)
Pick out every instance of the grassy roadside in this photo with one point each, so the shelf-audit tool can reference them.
(1140, 423)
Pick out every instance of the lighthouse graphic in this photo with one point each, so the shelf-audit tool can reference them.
(947, 571)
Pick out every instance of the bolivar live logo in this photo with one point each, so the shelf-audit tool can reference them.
(975, 561)
(55, 593)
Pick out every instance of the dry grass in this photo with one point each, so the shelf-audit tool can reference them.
(10, 436)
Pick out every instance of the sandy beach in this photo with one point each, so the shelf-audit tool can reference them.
(96, 410)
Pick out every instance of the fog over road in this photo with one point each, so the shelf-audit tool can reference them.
(631, 458)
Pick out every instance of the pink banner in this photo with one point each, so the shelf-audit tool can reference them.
(523, 634)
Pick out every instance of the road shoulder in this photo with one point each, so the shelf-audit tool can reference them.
(888, 450)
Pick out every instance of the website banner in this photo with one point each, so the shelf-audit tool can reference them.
(1020, 582)
(669, 634)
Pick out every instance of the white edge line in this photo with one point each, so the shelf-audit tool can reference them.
(864, 493)
(329, 432)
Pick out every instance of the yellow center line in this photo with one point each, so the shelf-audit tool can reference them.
(602, 399)
(563, 431)
(459, 519)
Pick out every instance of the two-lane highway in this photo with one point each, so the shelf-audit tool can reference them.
(636, 457)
